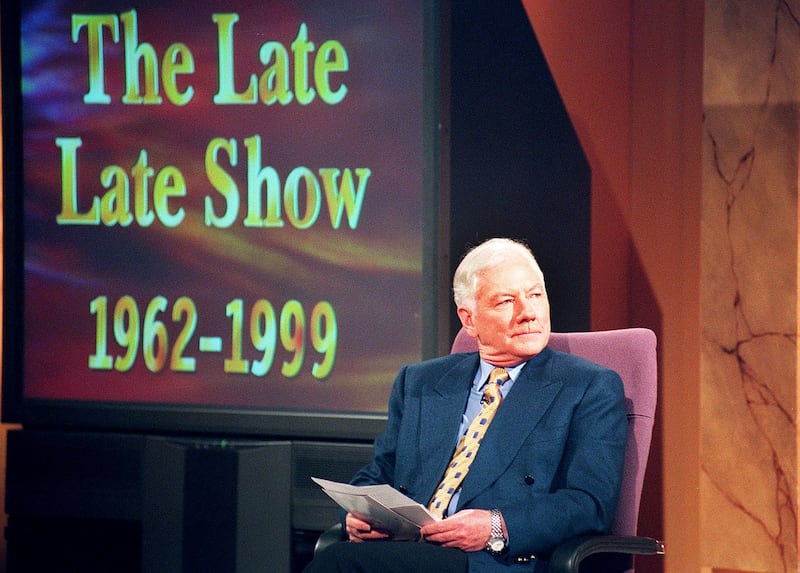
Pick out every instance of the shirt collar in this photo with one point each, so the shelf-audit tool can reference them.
(485, 369)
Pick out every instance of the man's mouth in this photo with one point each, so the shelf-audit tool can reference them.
(527, 332)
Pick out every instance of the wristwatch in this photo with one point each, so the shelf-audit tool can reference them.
(497, 543)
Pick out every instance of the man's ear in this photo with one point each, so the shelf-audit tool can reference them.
(466, 321)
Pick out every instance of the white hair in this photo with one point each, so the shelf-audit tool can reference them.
(489, 254)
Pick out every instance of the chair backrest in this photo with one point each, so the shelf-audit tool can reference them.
(631, 352)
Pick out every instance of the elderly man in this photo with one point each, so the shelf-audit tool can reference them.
(514, 472)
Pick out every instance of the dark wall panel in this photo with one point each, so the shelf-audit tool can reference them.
(517, 168)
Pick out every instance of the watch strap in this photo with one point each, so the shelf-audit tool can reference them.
(497, 541)
(497, 524)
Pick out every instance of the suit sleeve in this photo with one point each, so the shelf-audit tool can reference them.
(382, 467)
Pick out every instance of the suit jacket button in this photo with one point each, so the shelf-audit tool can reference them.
(529, 479)
(402, 489)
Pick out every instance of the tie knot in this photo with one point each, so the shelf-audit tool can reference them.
(496, 378)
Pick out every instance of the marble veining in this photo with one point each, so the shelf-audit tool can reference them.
(749, 276)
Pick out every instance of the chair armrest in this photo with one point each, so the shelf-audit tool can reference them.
(568, 556)
(329, 537)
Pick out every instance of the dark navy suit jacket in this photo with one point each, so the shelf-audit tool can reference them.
(551, 461)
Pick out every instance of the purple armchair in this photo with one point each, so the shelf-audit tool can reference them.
(632, 354)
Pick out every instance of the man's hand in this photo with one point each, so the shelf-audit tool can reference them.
(468, 530)
(359, 530)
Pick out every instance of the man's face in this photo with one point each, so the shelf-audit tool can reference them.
(511, 318)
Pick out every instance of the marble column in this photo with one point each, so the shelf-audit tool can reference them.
(749, 364)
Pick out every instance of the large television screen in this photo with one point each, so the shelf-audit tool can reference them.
(219, 216)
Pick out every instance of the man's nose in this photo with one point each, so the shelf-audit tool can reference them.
(527, 309)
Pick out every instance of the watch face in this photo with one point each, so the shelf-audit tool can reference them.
(497, 544)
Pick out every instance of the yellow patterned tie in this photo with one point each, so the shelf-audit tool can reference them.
(468, 444)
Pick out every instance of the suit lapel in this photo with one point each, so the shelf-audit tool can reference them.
(442, 407)
(520, 412)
